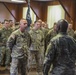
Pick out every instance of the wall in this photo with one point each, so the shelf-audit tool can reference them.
(69, 6)
(4, 12)
(20, 10)
(45, 8)
(40, 9)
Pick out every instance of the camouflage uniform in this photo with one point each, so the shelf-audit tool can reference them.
(70, 32)
(16, 27)
(61, 52)
(36, 48)
(52, 33)
(19, 44)
(45, 31)
(74, 35)
(4, 34)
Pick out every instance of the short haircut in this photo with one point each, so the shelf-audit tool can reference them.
(21, 20)
(6, 20)
(10, 20)
(62, 25)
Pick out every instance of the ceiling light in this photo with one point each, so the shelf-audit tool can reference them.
(20, 1)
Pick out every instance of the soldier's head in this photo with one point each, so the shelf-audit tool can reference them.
(40, 22)
(43, 24)
(23, 24)
(37, 25)
(70, 26)
(46, 25)
(11, 23)
(6, 23)
(62, 25)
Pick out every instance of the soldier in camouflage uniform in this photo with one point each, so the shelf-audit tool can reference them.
(61, 52)
(12, 24)
(19, 42)
(16, 26)
(37, 37)
(4, 52)
(74, 35)
(51, 33)
(70, 31)
(45, 31)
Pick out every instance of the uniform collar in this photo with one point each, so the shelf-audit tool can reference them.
(21, 32)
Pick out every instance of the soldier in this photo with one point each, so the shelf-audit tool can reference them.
(52, 33)
(36, 49)
(44, 30)
(16, 26)
(61, 52)
(31, 26)
(18, 43)
(46, 26)
(11, 23)
(4, 52)
(70, 30)
(74, 35)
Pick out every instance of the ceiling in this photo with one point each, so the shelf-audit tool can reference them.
(42, 0)
(10, 1)
(24, 1)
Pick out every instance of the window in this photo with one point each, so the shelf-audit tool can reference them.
(55, 13)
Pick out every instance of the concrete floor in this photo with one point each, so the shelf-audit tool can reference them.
(4, 71)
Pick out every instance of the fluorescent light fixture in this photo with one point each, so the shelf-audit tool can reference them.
(19, 1)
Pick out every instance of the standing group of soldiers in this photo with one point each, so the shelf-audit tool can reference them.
(21, 45)
(17, 44)
(5, 32)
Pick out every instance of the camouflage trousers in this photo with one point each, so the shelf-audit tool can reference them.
(35, 58)
(17, 64)
(4, 52)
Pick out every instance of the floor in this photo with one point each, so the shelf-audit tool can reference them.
(4, 71)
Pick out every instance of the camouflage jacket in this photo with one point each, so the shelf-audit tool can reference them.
(61, 52)
(49, 36)
(74, 35)
(70, 32)
(37, 38)
(45, 31)
(4, 34)
(19, 43)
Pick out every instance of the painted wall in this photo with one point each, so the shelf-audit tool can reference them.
(4, 13)
(39, 8)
